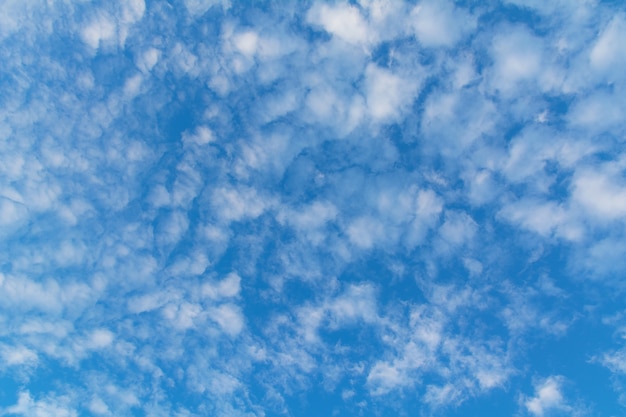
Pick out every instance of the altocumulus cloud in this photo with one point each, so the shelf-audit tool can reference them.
(313, 208)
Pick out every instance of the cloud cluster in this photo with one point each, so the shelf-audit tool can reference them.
(208, 208)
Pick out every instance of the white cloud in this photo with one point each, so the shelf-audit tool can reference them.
(17, 355)
(15, 17)
(546, 218)
(528, 154)
(269, 154)
(24, 294)
(59, 328)
(226, 288)
(441, 106)
(402, 371)
(600, 194)
(523, 313)
(133, 10)
(223, 384)
(70, 253)
(428, 327)
(423, 216)
(98, 406)
(310, 220)
(366, 232)
(455, 119)
(386, 20)
(385, 377)
(615, 361)
(440, 23)
(328, 106)
(398, 206)
(313, 216)
(609, 51)
(11, 212)
(202, 135)
(388, 94)
(118, 398)
(51, 406)
(100, 29)
(132, 87)
(229, 318)
(237, 204)
(182, 315)
(426, 346)
(147, 302)
(450, 298)
(100, 339)
(465, 72)
(341, 20)
(604, 257)
(442, 395)
(274, 46)
(518, 57)
(172, 227)
(599, 111)
(184, 60)
(279, 105)
(548, 397)
(148, 59)
(458, 228)
(324, 102)
(130, 191)
(197, 8)
(246, 42)
(194, 264)
(428, 204)
(482, 186)
(358, 302)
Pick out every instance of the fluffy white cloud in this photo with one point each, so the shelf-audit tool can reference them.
(311, 220)
(458, 228)
(388, 94)
(600, 194)
(17, 355)
(365, 232)
(100, 338)
(597, 112)
(228, 317)
(99, 30)
(197, 8)
(609, 50)
(548, 397)
(47, 407)
(546, 218)
(148, 59)
(246, 42)
(440, 23)
(237, 204)
(132, 10)
(615, 361)
(341, 20)
(369, 169)
(226, 288)
(356, 305)
(518, 58)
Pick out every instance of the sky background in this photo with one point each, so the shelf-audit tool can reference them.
(281, 208)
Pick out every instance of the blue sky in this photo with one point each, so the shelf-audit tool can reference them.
(368, 208)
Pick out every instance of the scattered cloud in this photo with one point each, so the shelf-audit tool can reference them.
(441, 24)
(548, 398)
(211, 208)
